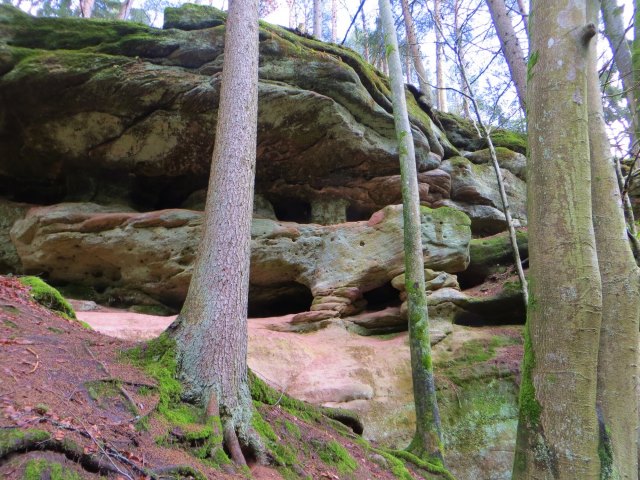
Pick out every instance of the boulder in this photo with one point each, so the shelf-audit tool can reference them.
(122, 253)
(515, 162)
(474, 190)
(10, 212)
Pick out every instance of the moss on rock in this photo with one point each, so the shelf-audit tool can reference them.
(47, 296)
(37, 469)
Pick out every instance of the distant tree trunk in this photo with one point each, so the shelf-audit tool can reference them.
(511, 48)
(442, 93)
(614, 30)
(211, 330)
(365, 33)
(317, 19)
(459, 45)
(86, 8)
(618, 353)
(427, 442)
(125, 9)
(334, 21)
(523, 13)
(558, 428)
(292, 15)
(414, 50)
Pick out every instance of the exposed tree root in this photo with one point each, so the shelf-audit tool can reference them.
(420, 463)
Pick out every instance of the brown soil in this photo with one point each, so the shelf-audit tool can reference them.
(50, 368)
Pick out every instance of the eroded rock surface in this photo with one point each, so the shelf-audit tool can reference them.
(152, 253)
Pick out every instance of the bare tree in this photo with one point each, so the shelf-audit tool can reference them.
(441, 90)
(414, 51)
(511, 48)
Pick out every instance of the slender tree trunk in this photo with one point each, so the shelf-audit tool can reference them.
(459, 44)
(365, 33)
(614, 30)
(86, 8)
(292, 15)
(427, 441)
(618, 353)
(211, 331)
(523, 13)
(511, 48)
(334, 21)
(442, 93)
(125, 9)
(414, 50)
(317, 19)
(558, 427)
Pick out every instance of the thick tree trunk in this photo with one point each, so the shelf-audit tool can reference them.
(558, 427)
(618, 353)
(442, 93)
(317, 19)
(511, 48)
(427, 442)
(614, 30)
(414, 50)
(211, 331)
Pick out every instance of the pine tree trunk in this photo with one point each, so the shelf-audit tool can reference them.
(442, 93)
(614, 30)
(618, 353)
(558, 427)
(427, 441)
(211, 331)
(414, 50)
(511, 48)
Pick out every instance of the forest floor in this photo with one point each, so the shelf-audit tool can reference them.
(72, 405)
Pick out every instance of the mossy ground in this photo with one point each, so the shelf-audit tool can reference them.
(47, 296)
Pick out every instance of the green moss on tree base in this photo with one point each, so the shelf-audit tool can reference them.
(47, 296)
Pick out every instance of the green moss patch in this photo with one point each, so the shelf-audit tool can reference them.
(335, 455)
(37, 469)
(13, 439)
(47, 296)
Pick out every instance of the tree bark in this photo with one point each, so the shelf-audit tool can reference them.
(558, 427)
(427, 442)
(461, 60)
(614, 30)
(511, 48)
(525, 16)
(317, 19)
(414, 50)
(211, 331)
(86, 8)
(334, 21)
(125, 9)
(365, 33)
(442, 93)
(618, 353)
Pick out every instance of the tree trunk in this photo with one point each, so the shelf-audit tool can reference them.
(618, 353)
(365, 33)
(464, 88)
(334, 21)
(211, 331)
(442, 93)
(125, 9)
(511, 48)
(317, 19)
(427, 442)
(414, 50)
(86, 8)
(614, 30)
(558, 427)
(523, 13)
